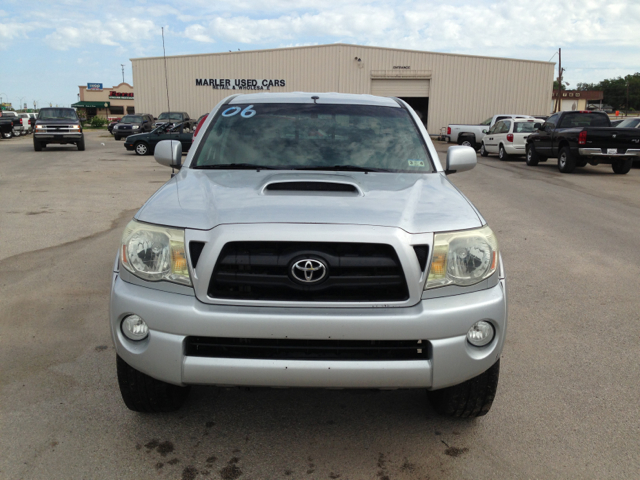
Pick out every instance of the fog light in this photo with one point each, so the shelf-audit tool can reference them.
(480, 334)
(134, 328)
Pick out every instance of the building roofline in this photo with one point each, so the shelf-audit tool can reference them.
(333, 45)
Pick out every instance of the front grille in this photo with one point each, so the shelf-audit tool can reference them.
(290, 349)
(356, 272)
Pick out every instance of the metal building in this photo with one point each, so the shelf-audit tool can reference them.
(444, 88)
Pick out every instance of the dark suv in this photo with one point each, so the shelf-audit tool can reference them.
(130, 124)
(57, 125)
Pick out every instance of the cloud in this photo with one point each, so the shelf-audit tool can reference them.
(111, 32)
(10, 31)
(197, 32)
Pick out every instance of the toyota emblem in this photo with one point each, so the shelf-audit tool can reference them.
(309, 270)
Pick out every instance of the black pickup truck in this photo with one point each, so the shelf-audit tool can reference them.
(580, 138)
(9, 125)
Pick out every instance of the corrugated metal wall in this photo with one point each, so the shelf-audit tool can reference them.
(462, 88)
(399, 87)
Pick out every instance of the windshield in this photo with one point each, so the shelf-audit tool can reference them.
(487, 121)
(629, 123)
(523, 127)
(308, 136)
(131, 119)
(170, 116)
(57, 114)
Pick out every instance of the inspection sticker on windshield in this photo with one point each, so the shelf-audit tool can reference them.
(416, 163)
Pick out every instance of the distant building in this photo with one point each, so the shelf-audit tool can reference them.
(113, 102)
(576, 99)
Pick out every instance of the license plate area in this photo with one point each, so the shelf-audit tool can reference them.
(612, 151)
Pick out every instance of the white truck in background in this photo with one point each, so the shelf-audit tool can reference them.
(471, 135)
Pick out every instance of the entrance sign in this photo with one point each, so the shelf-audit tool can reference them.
(94, 86)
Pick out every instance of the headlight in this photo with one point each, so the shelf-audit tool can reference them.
(135, 127)
(463, 258)
(155, 253)
(40, 127)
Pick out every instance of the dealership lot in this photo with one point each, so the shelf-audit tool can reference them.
(568, 397)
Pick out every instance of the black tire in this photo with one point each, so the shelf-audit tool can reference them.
(502, 153)
(37, 146)
(566, 160)
(483, 151)
(141, 148)
(141, 393)
(621, 167)
(7, 135)
(470, 399)
(467, 141)
(532, 156)
(117, 137)
(81, 145)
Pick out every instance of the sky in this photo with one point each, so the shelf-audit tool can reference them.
(49, 48)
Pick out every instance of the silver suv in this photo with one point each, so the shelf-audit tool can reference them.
(310, 240)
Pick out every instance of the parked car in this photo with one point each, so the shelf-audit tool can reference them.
(175, 118)
(26, 121)
(629, 123)
(616, 123)
(145, 143)
(583, 137)
(18, 127)
(507, 137)
(59, 126)
(310, 240)
(10, 124)
(112, 124)
(131, 124)
(199, 124)
(471, 135)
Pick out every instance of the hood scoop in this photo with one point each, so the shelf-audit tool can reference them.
(312, 187)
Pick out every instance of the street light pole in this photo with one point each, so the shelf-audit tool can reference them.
(122, 65)
(626, 113)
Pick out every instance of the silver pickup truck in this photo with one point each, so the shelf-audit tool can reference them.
(309, 240)
(471, 135)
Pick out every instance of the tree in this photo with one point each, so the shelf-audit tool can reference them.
(615, 91)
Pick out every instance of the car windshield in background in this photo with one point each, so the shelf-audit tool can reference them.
(131, 119)
(629, 123)
(523, 127)
(57, 114)
(487, 121)
(585, 120)
(170, 116)
(308, 136)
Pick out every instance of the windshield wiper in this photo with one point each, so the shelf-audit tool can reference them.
(346, 168)
(234, 166)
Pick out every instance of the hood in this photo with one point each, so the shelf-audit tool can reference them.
(203, 199)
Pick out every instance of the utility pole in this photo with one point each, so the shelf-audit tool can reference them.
(559, 98)
(626, 113)
(122, 65)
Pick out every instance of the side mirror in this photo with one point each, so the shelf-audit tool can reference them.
(169, 153)
(485, 131)
(537, 126)
(459, 159)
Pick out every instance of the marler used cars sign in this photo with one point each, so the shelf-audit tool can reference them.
(239, 83)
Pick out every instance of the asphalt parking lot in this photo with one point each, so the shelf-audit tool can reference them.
(567, 405)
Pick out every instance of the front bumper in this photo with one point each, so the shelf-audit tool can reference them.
(59, 137)
(442, 323)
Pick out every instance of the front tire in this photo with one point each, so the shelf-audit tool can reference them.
(483, 151)
(566, 161)
(37, 146)
(621, 167)
(141, 148)
(469, 399)
(117, 137)
(502, 153)
(81, 145)
(142, 393)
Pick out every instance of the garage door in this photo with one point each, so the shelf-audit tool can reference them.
(400, 88)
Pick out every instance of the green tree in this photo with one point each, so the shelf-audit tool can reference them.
(615, 91)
